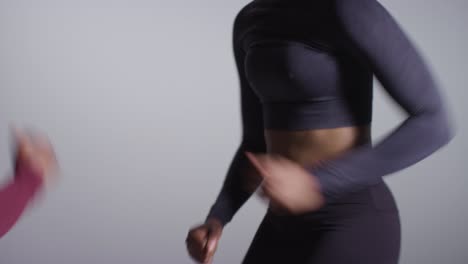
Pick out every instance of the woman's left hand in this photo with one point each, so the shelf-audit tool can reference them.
(289, 187)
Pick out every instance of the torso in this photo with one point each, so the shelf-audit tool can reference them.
(310, 146)
(317, 98)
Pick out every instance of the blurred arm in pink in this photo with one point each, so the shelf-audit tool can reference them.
(16, 195)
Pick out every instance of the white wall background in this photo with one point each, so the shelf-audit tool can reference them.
(140, 99)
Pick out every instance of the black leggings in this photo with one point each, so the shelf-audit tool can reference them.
(362, 228)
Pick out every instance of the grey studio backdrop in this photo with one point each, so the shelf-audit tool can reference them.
(141, 101)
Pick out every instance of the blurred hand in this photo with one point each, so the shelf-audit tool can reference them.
(35, 151)
(202, 241)
(290, 187)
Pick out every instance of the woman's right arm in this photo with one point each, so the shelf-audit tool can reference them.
(34, 162)
(240, 181)
(234, 193)
(16, 195)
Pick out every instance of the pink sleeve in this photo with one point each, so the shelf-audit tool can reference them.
(15, 196)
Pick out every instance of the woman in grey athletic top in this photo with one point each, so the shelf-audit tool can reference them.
(306, 70)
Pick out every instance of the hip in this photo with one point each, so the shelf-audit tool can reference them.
(376, 200)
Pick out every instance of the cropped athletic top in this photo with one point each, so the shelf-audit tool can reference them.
(309, 64)
(299, 68)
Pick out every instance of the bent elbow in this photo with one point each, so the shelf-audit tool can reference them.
(448, 133)
(443, 128)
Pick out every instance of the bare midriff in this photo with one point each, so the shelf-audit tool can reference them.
(307, 147)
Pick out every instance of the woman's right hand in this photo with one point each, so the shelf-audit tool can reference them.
(202, 240)
(35, 152)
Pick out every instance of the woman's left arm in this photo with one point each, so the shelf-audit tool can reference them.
(373, 35)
